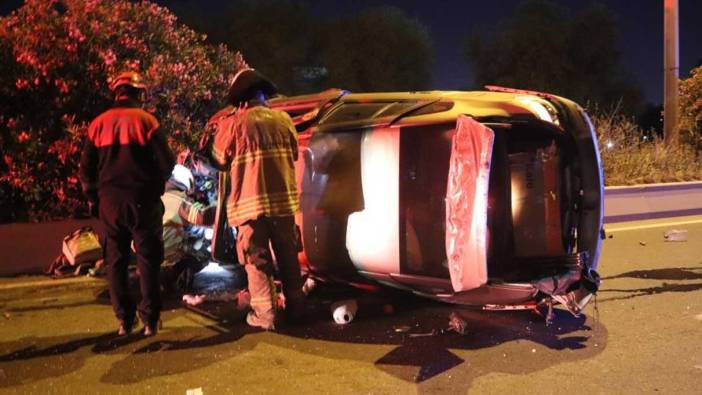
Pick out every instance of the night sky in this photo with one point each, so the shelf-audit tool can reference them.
(450, 21)
(640, 40)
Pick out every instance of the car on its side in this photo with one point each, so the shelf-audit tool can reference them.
(489, 198)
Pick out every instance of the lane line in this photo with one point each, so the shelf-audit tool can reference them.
(650, 226)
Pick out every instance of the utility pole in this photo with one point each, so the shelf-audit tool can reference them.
(670, 71)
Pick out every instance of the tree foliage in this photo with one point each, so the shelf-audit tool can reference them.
(275, 35)
(55, 60)
(542, 47)
(691, 107)
(379, 49)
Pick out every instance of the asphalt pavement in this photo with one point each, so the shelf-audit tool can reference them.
(640, 335)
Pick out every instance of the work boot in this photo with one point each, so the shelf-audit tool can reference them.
(125, 328)
(254, 320)
(152, 328)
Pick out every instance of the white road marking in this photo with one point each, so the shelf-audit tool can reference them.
(609, 229)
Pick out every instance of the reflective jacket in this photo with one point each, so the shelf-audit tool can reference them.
(257, 146)
(125, 155)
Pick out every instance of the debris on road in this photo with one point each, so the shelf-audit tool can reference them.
(344, 311)
(457, 324)
(193, 300)
(194, 391)
(675, 235)
(643, 243)
(6, 315)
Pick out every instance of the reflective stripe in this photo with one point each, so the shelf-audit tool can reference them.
(260, 154)
(277, 197)
(272, 209)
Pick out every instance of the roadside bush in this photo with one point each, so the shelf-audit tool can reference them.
(632, 156)
(55, 60)
(691, 108)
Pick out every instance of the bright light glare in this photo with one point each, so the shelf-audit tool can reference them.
(536, 107)
(213, 268)
(517, 198)
(372, 236)
(609, 144)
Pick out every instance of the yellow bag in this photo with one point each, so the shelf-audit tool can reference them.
(82, 246)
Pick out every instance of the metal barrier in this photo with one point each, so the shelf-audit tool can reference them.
(638, 202)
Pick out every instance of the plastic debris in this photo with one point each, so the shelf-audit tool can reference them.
(675, 235)
(344, 311)
(643, 243)
(193, 300)
(194, 391)
(457, 324)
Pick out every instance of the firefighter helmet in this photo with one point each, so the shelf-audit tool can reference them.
(130, 78)
(246, 82)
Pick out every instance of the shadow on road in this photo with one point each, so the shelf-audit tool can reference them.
(516, 342)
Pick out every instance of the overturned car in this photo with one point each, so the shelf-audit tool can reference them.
(490, 198)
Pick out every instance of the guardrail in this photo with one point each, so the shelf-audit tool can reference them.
(638, 202)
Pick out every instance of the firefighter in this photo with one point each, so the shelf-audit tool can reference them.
(257, 146)
(124, 166)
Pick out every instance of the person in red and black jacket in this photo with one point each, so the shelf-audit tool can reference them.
(124, 166)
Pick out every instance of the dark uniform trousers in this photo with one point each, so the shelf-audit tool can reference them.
(253, 239)
(124, 220)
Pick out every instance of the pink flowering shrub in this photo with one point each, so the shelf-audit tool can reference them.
(55, 61)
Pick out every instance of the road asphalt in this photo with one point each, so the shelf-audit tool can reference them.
(640, 335)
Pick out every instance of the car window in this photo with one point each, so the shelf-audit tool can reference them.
(348, 112)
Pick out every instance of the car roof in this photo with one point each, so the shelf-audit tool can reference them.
(344, 110)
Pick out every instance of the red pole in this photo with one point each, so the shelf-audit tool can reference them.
(670, 71)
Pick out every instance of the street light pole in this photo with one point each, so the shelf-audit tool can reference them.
(670, 71)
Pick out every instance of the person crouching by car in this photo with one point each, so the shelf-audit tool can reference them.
(258, 146)
(124, 166)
